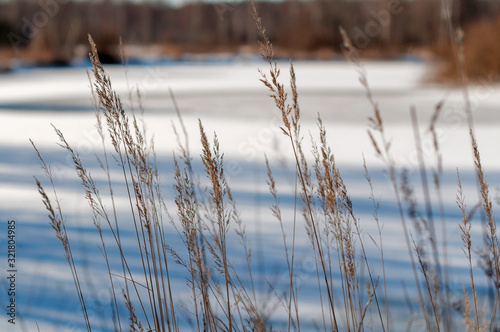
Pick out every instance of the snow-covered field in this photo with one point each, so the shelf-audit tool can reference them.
(230, 100)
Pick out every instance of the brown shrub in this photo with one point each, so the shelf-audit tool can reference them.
(481, 50)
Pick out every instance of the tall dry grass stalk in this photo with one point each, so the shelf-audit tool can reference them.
(222, 297)
(149, 290)
(334, 219)
(58, 223)
(491, 255)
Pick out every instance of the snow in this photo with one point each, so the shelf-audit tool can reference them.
(230, 100)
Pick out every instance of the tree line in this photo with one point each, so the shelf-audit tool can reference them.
(54, 28)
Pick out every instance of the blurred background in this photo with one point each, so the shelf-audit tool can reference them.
(54, 32)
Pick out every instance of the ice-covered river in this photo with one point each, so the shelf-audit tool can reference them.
(230, 100)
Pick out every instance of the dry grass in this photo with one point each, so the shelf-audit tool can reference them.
(352, 296)
(482, 53)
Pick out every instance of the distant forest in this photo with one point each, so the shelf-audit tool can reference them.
(51, 30)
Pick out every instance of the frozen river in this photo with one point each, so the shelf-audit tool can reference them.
(231, 101)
